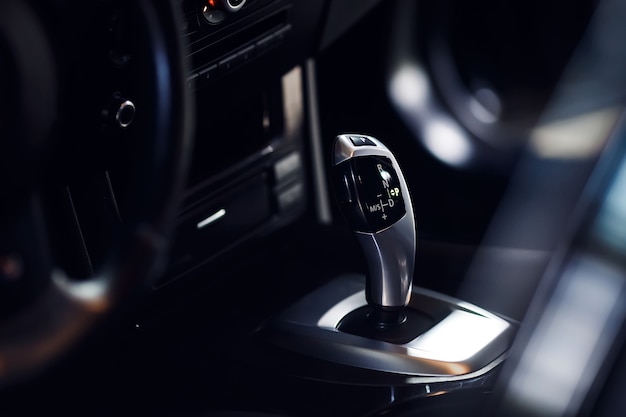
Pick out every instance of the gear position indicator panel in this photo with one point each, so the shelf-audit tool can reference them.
(378, 192)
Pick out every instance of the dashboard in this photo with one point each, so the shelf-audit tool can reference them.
(249, 149)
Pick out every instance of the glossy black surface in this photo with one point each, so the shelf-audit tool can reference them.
(378, 202)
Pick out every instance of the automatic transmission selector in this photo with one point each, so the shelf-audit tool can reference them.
(374, 198)
(380, 323)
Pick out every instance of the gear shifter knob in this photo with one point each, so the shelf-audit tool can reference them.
(375, 200)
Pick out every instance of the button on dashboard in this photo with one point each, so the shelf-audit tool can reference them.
(264, 43)
(206, 74)
(228, 63)
(246, 53)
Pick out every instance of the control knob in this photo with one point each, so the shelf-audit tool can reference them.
(214, 11)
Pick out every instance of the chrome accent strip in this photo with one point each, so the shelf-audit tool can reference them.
(292, 103)
(482, 371)
(211, 219)
(322, 200)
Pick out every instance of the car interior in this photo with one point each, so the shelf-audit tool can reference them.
(266, 208)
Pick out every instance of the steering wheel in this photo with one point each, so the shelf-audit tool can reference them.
(91, 93)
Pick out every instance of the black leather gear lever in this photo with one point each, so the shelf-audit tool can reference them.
(374, 198)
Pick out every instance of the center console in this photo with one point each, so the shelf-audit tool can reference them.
(455, 340)
(356, 334)
(246, 77)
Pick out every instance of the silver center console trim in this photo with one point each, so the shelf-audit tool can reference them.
(465, 342)
(331, 319)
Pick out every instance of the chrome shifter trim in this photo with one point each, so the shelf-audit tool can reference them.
(468, 341)
(330, 320)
